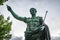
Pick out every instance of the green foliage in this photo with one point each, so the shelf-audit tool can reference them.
(5, 28)
(2, 1)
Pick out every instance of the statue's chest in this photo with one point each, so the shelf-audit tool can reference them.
(32, 20)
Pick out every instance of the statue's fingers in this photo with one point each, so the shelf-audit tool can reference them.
(8, 6)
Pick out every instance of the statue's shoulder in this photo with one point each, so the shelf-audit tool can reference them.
(39, 17)
(28, 18)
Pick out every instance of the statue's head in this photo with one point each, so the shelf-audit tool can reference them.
(33, 11)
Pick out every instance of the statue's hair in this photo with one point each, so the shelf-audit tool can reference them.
(33, 9)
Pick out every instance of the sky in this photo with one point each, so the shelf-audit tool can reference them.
(21, 8)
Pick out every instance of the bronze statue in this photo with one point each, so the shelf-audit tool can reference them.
(34, 30)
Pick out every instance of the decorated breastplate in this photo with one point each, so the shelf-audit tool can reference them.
(33, 23)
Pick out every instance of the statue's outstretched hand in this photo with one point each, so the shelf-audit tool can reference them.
(8, 8)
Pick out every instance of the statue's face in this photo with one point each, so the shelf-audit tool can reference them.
(33, 11)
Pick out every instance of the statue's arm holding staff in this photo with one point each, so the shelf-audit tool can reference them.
(47, 32)
(48, 37)
(15, 15)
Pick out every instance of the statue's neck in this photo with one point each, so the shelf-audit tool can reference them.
(33, 16)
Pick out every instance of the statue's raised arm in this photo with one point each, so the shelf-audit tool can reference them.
(15, 15)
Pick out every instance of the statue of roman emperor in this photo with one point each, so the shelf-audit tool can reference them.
(35, 29)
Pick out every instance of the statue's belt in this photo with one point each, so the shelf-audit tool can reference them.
(36, 30)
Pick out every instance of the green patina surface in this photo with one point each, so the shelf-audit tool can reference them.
(34, 29)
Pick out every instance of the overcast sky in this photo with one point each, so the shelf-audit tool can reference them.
(21, 8)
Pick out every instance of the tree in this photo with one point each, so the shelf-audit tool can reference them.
(5, 28)
(2, 2)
